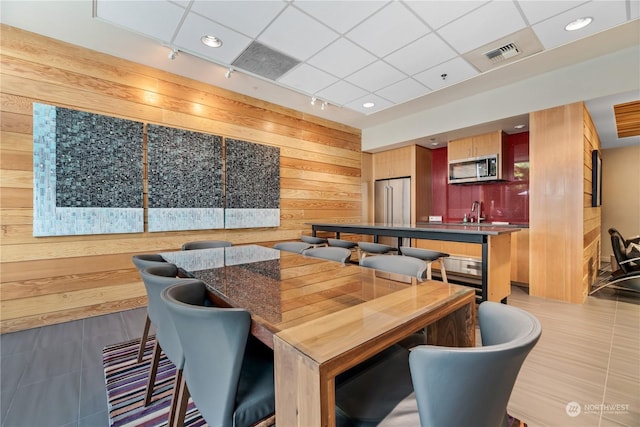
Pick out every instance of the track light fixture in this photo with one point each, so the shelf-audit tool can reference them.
(324, 105)
(228, 73)
(313, 100)
(172, 54)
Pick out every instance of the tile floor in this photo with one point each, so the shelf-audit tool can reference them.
(52, 376)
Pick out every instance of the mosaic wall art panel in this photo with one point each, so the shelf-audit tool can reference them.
(252, 185)
(184, 174)
(87, 173)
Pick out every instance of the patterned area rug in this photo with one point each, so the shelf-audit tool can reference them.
(126, 381)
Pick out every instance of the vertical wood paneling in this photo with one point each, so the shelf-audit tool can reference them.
(564, 228)
(55, 279)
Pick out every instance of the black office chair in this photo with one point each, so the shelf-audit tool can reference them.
(627, 255)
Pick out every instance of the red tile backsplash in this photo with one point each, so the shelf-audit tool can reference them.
(502, 201)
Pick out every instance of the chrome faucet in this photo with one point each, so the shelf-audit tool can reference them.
(479, 214)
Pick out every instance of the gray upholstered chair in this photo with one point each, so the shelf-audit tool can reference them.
(429, 257)
(156, 279)
(331, 253)
(314, 241)
(296, 247)
(478, 378)
(368, 248)
(227, 372)
(398, 264)
(206, 244)
(348, 244)
(141, 262)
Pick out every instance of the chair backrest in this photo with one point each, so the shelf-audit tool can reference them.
(215, 341)
(398, 264)
(620, 250)
(296, 247)
(206, 244)
(479, 378)
(332, 253)
(143, 261)
(156, 279)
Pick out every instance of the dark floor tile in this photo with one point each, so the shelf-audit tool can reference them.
(134, 322)
(11, 370)
(56, 359)
(101, 419)
(92, 347)
(60, 333)
(18, 342)
(104, 325)
(49, 403)
(93, 394)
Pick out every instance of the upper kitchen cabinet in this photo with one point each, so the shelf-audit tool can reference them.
(477, 146)
(393, 163)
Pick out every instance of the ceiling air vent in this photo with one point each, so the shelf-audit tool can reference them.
(500, 54)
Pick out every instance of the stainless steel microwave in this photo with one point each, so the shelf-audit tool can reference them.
(476, 169)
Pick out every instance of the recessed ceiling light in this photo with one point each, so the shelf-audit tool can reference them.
(578, 23)
(519, 126)
(369, 105)
(211, 41)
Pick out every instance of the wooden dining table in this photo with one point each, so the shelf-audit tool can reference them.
(322, 317)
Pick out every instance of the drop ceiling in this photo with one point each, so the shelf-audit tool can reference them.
(344, 54)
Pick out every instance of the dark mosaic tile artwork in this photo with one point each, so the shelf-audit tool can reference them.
(98, 161)
(184, 168)
(253, 175)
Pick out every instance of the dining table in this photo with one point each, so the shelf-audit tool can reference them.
(322, 318)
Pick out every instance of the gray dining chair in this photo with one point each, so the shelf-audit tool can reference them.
(156, 279)
(429, 257)
(479, 378)
(228, 373)
(296, 247)
(206, 244)
(314, 241)
(141, 262)
(331, 253)
(348, 244)
(396, 264)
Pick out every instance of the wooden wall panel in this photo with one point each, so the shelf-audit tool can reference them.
(55, 279)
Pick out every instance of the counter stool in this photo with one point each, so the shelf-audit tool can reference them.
(367, 248)
(347, 244)
(429, 257)
(314, 241)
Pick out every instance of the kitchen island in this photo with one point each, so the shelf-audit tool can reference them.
(494, 239)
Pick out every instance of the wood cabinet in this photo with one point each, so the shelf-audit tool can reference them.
(412, 161)
(520, 256)
(392, 163)
(477, 146)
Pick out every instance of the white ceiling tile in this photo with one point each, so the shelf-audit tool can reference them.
(195, 26)
(439, 13)
(233, 14)
(485, 24)
(135, 16)
(342, 58)
(340, 15)
(296, 34)
(403, 91)
(380, 104)
(422, 54)
(457, 70)
(341, 93)
(387, 30)
(605, 14)
(539, 10)
(308, 79)
(375, 76)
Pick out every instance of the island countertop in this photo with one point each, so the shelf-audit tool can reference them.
(414, 230)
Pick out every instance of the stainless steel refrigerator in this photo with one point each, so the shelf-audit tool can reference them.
(393, 206)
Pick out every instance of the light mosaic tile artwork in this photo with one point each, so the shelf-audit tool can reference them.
(184, 176)
(87, 173)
